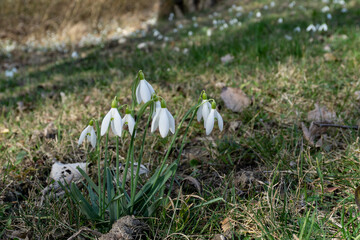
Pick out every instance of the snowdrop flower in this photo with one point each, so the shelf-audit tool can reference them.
(190, 33)
(280, 20)
(288, 37)
(266, 7)
(258, 14)
(210, 120)
(292, 4)
(171, 16)
(144, 90)
(163, 120)
(204, 109)
(88, 132)
(180, 26)
(209, 32)
(272, 4)
(323, 27)
(74, 55)
(129, 120)
(193, 18)
(297, 29)
(311, 27)
(329, 16)
(344, 10)
(325, 9)
(114, 119)
(238, 14)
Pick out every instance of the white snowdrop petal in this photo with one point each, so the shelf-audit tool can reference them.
(220, 121)
(144, 92)
(155, 121)
(138, 96)
(83, 135)
(157, 108)
(105, 123)
(209, 124)
(93, 137)
(206, 111)
(151, 89)
(199, 116)
(163, 123)
(171, 121)
(117, 122)
(131, 123)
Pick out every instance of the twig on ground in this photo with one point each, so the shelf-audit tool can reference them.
(319, 124)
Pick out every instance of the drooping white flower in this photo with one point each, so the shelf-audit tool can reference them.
(210, 120)
(114, 119)
(311, 27)
(323, 27)
(280, 20)
(325, 9)
(89, 133)
(144, 90)
(204, 109)
(129, 120)
(297, 29)
(164, 120)
(258, 14)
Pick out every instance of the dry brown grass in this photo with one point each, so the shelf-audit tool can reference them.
(20, 19)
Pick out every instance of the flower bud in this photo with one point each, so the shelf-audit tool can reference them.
(213, 105)
(141, 75)
(204, 96)
(114, 103)
(163, 104)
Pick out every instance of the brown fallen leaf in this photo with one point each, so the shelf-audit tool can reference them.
(329, 57)
(235, 99)
(357, 197)
(321, 114)
(312, 133)
(226, 225)
(331, 189)
(194, 182)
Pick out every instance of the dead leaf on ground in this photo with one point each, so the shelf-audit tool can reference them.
(235, 99)
(126, 228)
(357, 197)
(227, 58)
(234, 125)
(194, 182)
(312, 133)
(321, 114)
(226, 225)
(329, 57)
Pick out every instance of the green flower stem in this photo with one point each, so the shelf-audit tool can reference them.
(174, 139)
(98, 165)
(117, 174)
(105, 167)
(140, 113)
(181, 149)
(133, 190)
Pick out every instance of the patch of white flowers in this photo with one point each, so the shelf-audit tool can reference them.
(162, 119)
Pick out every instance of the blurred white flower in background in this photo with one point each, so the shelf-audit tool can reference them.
(280, 20)
(311, 28)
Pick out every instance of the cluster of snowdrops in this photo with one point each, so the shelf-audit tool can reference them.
(161, 118)
(115, 195)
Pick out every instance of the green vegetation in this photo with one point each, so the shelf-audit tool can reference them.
(274, 184)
